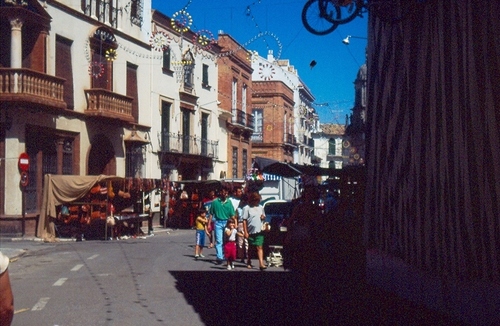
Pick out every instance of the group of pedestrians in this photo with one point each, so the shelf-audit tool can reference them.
(232, 224)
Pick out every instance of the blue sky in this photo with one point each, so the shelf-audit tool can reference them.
(331, 80)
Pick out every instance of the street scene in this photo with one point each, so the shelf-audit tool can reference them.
(329, 162)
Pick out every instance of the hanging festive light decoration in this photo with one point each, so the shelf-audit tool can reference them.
(302, 110)
(181, 21)
(111, 54)
(253, 39)
(182, 62)
(310, 120)
(203, 39)
(96, 69)
(252, 56)
(159, 41)
(266, 71)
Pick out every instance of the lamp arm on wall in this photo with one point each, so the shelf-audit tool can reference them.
(346, 41)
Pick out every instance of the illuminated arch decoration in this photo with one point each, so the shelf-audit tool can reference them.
(111, 54)
(105, 35)
(266, 71)
(302, 110)
(181, 21)
(183, 62)
(159, 41)
(203, 39)
(243, 47)
(132, 52)
(252, 56)
(311, 121)
(96, 69)
(267, 33)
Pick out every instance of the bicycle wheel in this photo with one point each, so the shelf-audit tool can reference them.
(314, 17)
(347, 9)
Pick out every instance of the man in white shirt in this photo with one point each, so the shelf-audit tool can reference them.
(241, 242)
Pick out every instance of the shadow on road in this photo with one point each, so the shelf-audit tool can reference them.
(286, 298)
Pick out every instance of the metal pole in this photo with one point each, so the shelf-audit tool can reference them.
(167, 203)
(23, 207)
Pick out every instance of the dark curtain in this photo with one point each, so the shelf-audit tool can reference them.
(433, 137)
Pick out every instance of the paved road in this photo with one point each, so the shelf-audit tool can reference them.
(155, 280)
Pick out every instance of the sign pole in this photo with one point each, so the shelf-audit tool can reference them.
(167, 202)
(23, 164)
(23, 207)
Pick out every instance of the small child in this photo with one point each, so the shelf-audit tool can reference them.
(230, 245)
(201, 230)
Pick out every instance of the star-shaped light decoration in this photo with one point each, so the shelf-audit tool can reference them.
(204, 39)
(181, 21)
(302, 110)
(266, 71)
(111, 54)
(96, 69)
(159, 41)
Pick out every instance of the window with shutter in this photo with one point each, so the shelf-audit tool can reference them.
(132, 89)
(64, 68)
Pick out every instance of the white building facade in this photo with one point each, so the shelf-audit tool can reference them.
(304, 119)
(187, 132)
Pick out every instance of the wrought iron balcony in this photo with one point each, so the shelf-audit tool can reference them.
(308, 141)
(187, 144)
(103, 103)
(243, 119)
(289, 139)
(250, 121)
(239, 117)
(31, 87)
(257, 137)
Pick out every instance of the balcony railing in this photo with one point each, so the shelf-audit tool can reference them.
(187, 144)
(239, 117)
(289, 139)
(243, 119)
(257, 137)
(307, 141)
(250, 121)
(29, 86)
(101, 102)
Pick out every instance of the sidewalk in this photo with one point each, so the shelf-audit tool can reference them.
(18, 246)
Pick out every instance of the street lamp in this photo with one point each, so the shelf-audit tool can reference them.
(347, 39)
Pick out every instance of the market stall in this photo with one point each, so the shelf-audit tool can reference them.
(90, 204)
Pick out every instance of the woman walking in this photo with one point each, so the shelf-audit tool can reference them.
(253, 216)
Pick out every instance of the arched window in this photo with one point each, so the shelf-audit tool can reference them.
(103, 47)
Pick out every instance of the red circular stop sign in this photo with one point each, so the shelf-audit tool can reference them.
(24, 162)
